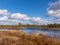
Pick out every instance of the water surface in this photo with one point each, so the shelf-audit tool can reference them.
(52, 33)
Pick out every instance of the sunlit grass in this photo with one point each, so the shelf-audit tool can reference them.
(14, 37)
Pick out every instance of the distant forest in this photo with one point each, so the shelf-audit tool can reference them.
(19, 25)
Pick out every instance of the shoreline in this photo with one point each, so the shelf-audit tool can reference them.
(30, 27)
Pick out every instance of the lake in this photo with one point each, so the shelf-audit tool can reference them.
(52, 33)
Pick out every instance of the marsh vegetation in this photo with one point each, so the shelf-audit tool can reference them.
(14, 37)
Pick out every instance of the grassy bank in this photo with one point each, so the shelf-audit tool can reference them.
(14, 37)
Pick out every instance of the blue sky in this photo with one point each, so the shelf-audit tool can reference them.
(32, 9)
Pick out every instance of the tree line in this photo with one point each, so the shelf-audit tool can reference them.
(19, 25)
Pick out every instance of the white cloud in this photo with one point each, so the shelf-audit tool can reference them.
(50, 12)
(20, 16)
(4, 12)
(54, 9)
(36, 20)
(53, 13)
(4, 18)
(39, 20)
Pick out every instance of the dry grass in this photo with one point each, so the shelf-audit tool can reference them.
(21, 38)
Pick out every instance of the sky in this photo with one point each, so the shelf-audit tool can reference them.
(29, 11)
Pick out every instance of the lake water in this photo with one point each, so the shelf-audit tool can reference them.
(52, 33)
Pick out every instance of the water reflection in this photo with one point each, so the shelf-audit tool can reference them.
(53, 33)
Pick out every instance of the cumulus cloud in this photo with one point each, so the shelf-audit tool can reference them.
(36, 20)
(4, 18)
(53, 13)
(39, 20)
(20, 16)
(4, 12)
(54, 9)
